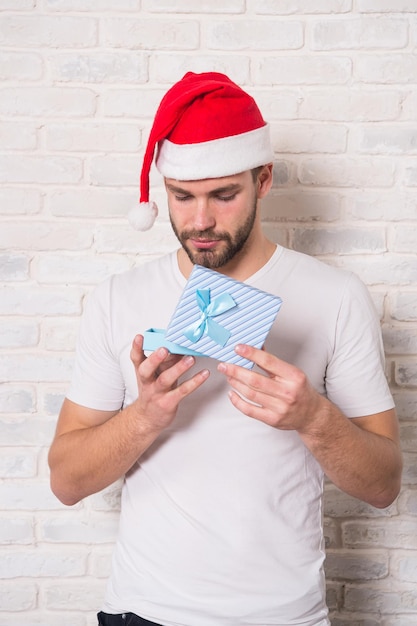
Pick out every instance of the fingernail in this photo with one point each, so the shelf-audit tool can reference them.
(162, 352)
(221, 367)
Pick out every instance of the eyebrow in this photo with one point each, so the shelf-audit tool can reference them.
(219, 190)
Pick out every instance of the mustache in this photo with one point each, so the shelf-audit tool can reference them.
(208, 234)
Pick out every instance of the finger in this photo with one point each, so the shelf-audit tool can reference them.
(137, 355)
(191, 384)
(255, 411)
(169, 376)
(149, 366)
(266, 361)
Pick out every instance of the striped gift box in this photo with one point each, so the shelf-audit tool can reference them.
(216, 312)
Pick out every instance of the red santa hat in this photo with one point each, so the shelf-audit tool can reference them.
(206, 126)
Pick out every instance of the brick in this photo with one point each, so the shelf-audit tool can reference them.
(346, 172)
(17, 464)
(331, 533)
(301, 70)
(92, 202)
(28, 495)
(409, 476)
(386, 68)
(28, 31)
(17, 399)
(157, 241)
(114, 170)
(383, 599)
(18, 333)
(18, 531)
(47, 102)
(17, 5)
(108, 499)
(81, 270)
(385, 270)
(339, 241)
(406, 404)
(19, 136)
(14, 266)
(25, 66)
(358, 565)
(301, 206)
(283, 105)
(18, 201)
(52, 400)
(166, 68)
(40, 301)
(22, 431)
(59, 335)
(197, 6)
(42, 563)
(381, 205)
(410, 175)
(404, 307)
(399, 340)
(93, 137)
(333, 595)
(409, 502)
(408, 436)
(100, 67)
(151, 34)
(39, 618)
(289, 7)
(360, 33)
(86, 595)
(350, 105)
(32, 368)
(406, 373)
(141, 103)
(387, 6)
(390, 139)
(100, 563)
(404, 238)
(40, 169)
(45, 236)
(356, 619)
(254, 35)
(70, 529)
(96, 6)
(308, 138)
(409, 105)
(389, 533)
(18, 596)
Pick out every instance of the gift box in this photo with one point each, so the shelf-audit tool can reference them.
(214, 314)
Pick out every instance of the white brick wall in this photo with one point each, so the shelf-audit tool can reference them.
(80, 81)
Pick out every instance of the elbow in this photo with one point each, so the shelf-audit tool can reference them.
(386, 496)
(62, 492)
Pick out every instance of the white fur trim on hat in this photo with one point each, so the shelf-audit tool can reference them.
(143, 215)
(216, 158)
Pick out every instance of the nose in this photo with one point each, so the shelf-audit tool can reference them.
(204, 216)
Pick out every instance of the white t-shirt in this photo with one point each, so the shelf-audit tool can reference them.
(221, 520)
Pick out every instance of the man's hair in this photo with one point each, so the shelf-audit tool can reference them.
(255, 172)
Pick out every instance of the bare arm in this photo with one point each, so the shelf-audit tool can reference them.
(361, 456)
(92, 449)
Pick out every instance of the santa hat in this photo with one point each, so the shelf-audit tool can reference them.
(205, 127)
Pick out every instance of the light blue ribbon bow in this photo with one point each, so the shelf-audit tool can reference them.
(210, 309)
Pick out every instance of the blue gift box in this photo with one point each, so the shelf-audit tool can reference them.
(214, 314)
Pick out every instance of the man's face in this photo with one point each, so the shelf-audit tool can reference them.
(213, 218)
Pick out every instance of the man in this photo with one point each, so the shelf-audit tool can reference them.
(221, 515)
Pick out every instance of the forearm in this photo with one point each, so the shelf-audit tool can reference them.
(365, 464)
(86, 460)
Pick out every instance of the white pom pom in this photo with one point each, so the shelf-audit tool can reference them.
(142, 216)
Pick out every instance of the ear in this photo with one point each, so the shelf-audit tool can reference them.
(264, 183)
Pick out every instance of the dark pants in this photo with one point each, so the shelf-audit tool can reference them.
(123, 619)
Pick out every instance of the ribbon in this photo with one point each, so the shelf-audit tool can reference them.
(206, 324)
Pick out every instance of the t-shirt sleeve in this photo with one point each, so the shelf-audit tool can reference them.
(97, 380)
(355, 376)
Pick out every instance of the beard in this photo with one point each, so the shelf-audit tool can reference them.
(231, 245)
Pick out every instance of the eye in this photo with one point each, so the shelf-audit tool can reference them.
(227, 198)
(182, 198)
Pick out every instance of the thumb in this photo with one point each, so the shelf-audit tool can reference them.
(137, 355)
